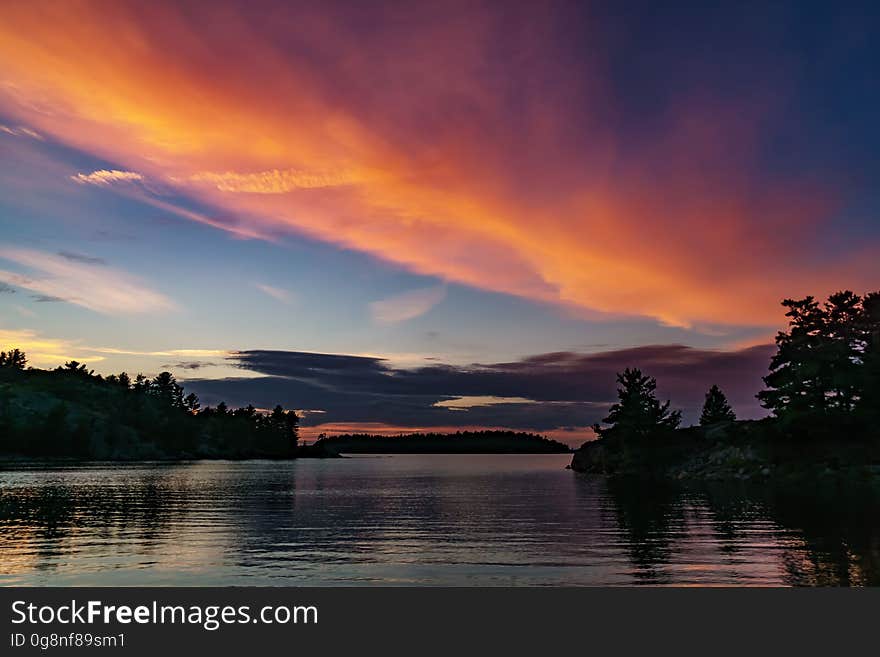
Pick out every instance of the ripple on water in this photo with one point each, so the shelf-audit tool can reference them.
(448, 520)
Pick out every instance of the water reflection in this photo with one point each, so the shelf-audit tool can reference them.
(453, 520)
(651, 520)
(821, 535)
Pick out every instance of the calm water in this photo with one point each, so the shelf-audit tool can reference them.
(453, 520)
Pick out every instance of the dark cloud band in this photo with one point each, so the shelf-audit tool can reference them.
(560, 389)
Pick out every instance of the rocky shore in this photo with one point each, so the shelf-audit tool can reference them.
(744, 451)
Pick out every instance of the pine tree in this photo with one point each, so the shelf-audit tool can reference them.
(716, 408)
(638, 412)
(828, 359)
(795, 379)
(191, 403)
(165, 387)
(870, 401)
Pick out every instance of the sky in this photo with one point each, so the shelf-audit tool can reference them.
(432, 215)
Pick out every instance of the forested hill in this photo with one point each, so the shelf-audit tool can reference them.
(71, 412)
(463, 442)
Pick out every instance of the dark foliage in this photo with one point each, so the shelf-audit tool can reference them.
(13, 359)
(716, 408)
(828, 361)
(72, 412)
(638, 413)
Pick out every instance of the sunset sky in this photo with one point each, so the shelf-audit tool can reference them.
(432, 214)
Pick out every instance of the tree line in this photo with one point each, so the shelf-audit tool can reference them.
(73, 412)
(460, 442)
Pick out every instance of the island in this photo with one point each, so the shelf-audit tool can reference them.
(823, 393)
(460, 442)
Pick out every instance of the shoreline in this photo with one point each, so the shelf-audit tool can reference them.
(745, 451)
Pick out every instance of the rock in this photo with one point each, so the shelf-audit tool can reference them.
(590, 457)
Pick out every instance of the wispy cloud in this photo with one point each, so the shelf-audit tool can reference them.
(407, 305)
(277, 293)
(21, 131)
(183, 353)
(79, 257)
(188, 365)
(6, 289)
(274, 181)
(476, 401)
(230, 225)
(96, 287)
(25, 312)
(104, 177)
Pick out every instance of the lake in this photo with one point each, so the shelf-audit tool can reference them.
(419, 520)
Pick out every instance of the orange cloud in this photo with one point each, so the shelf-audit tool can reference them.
(428, 143)
(271, 182)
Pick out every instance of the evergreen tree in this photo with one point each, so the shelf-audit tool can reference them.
(165, 387)
(796, 382)
(828, 359)
(191, 402)
(77, 368)
(638, 412)
(716, 408)
(843, 348)
(870, 402)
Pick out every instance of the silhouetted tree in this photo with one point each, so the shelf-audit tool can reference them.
(14, 359)
(75, 367)
(248, 412)
(191, 402)
(285, 424)
(824, 362)
(716, 408)
(164, 386)
(122, 380)
(844, 348)
(871, 373)
(141, 383)
(638, 412)
(795, 380)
